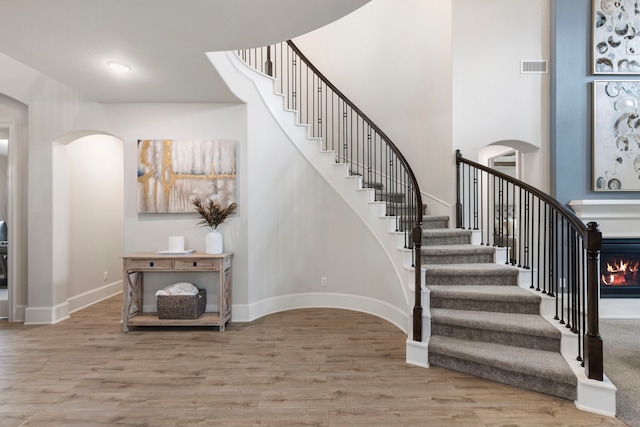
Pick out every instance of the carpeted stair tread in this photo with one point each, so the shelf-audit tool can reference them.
(445, 236)
(479, 269)
(456, 254)
(435, 218)
(430, 218)
(538, 363)
(457, 249)
(492, 293)
(445, 232)
(407, 220)
(480, 273)
(532, 325)
(433, 222)
(476, 295)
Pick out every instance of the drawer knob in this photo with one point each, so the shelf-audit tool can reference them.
(151, 264)
(195, 264)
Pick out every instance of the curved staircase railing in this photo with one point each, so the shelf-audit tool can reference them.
(354, 138)
(541, 235)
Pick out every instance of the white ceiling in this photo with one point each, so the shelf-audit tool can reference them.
(164, 41)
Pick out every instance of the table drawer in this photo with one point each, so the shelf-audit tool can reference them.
(150, 264)
(197, 264)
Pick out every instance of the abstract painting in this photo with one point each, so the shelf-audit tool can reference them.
(616, 37)
(173, 172)
(616, 135)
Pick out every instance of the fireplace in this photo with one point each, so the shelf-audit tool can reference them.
(619, 268)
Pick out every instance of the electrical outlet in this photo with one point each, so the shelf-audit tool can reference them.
(106, 276)
(323, 282)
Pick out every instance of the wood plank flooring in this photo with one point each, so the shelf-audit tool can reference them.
(311, 367)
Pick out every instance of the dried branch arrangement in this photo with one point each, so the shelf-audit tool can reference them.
(212, 214)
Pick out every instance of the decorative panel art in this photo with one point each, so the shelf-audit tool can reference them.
(616, 135)
(616, 37)
(173, 172)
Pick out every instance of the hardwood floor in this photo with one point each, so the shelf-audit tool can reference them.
(312, 367)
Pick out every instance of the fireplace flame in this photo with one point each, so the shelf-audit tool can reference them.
(619, 271)
(623, 266)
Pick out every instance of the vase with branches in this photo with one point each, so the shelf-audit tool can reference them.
(212, 215)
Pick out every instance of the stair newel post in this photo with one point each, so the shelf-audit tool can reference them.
(268, 65)
(592, 339)
(458, 183)
(417, 307)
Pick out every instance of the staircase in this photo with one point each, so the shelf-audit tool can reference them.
(483, 323)
(478, 319)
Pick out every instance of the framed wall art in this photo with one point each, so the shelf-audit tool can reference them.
(172, 172)
(616, 135)
(616, 37)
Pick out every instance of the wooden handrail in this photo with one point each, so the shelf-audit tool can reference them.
(575, 221)
(397, 152)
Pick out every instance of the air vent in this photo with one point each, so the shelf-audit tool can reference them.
(534, 67)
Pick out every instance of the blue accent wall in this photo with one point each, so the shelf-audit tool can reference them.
(571, 105)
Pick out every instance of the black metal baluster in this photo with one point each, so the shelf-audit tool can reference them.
(518, 229)
(547, 251)
(481, 211)
(473, 198)
(583, 267)
(542, 227)
(528, 222)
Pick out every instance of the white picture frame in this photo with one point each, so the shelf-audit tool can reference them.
(616, 135)
(616, 37)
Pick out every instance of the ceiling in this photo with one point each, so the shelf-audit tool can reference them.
(164, 41)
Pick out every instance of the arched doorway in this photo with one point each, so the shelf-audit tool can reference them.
(519, 159)
(88, 225)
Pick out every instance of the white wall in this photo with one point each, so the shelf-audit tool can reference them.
(492, 101)
(284, 235)
(393, 60)
(301, 230)
(96, 207)
(449, 75)
(150, 232)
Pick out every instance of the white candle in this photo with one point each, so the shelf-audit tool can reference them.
(176, 243)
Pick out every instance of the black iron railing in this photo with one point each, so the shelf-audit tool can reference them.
(356, 141)
(544, 236)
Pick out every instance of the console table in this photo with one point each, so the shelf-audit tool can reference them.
(134, 267)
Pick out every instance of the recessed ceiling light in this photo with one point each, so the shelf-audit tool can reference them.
(119, 66)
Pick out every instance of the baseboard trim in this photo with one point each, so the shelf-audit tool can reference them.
(19, 313)
(594, 396)
(46, 315)
(60, 312)
(417, 353)
(85, 299)
(251, 312)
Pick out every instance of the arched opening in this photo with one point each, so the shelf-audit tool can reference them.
(518, 159)
(88, 216)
